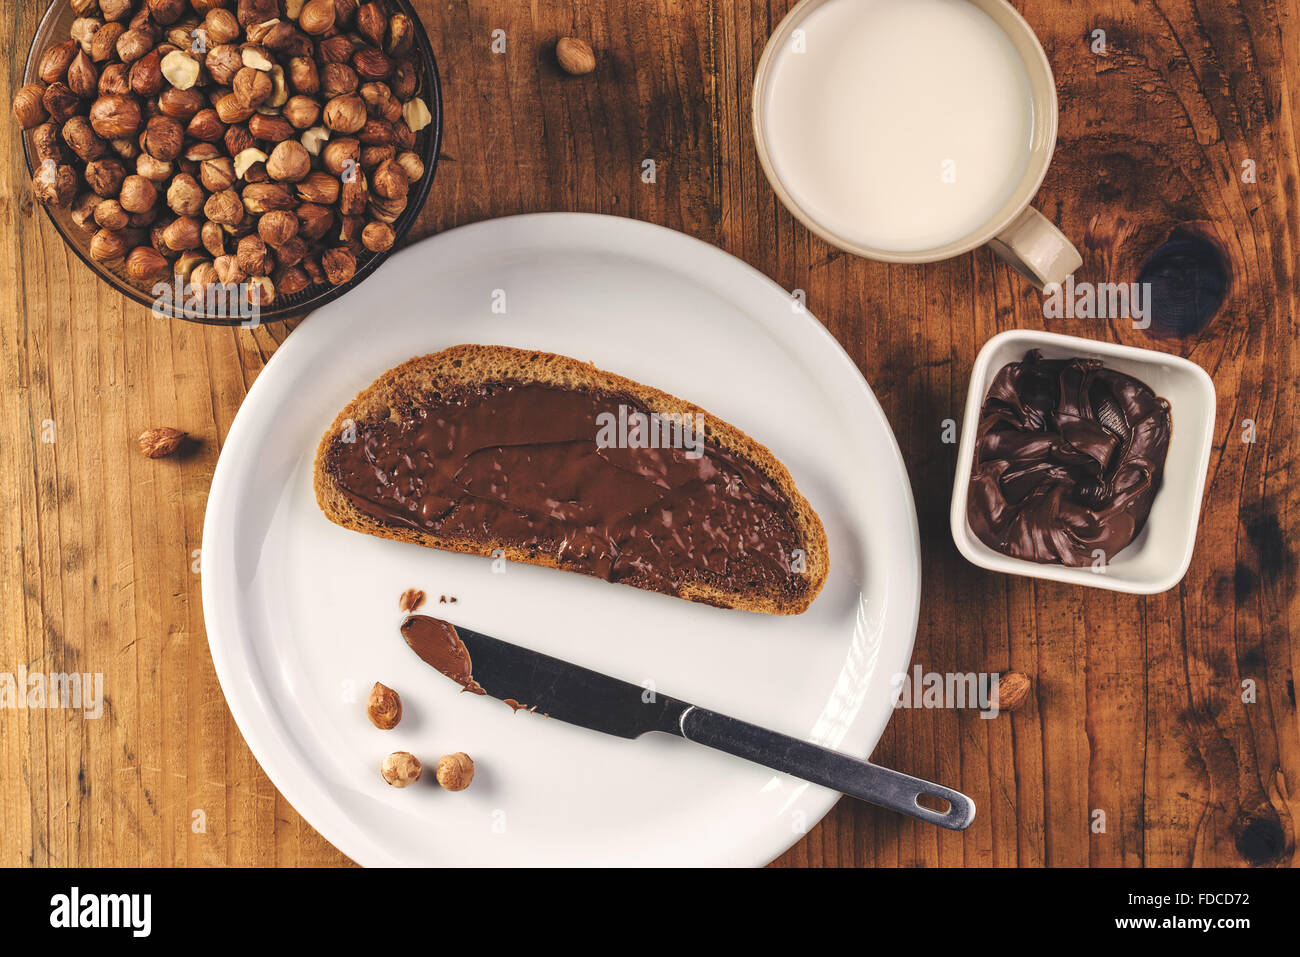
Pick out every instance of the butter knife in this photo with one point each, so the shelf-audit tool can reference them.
(528, 680)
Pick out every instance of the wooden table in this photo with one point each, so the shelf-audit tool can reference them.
(1137, 707)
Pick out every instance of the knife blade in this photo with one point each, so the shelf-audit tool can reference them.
(529, 680)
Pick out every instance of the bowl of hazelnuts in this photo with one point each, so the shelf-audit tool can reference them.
(231, 160)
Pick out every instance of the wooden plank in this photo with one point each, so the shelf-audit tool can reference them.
(1137, 708)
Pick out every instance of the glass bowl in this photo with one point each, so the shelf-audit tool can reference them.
(54, 27)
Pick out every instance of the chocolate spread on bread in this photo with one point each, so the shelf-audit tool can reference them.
(519, 464)
(1068, 458)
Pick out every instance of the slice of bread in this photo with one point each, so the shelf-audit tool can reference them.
(415, 383)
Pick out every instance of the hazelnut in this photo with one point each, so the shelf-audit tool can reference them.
(301, 111)
(337, 49)
(60, 102)
(145, 262)
(252, 87)
(261, 291)
(81, 139)
(401, 767)
(287, 40)
(1011, 692)
(182, 233)
(56, 60)
(186, 263)
(384, 706)
(311, 266)
(372, 156)
(345, 12)
(290, 279)
(115, 116)
(250, 254)
(83, 76)
(303, 75)
(185, 195)
(404, 81)
(213, 238)
(166, 11)
(145, 77)
(317, 17)
(114, 80)
(159, 443)
(403, 138)
(389, 180)
(292, 251)
(182, 105)
(104, 43)
(257, 32)
(152, 168)
(255, 56)
(411, 165)
(345, 114)
(247, 158)
(376, 133)
(277, 227)
(224, 207)
(83, 31)
(314, 139)
(206, 125)
(273, 129)
(138, 194)
(319, 187)
(231, 109)
(163, 138)
(238, 138)
(289, 162)
(341, 154)
(114, 9)
(314, 220)
(401, 35)
(105, 176)
(220, 25)
(203, 275)
(107, 245)
(371, 23)
(217, 174)
(46, 142)
(132, 45)
(416, 114)
(223, 62)
(371, 64)
(109, 214)
(264, 197)
(83, 210)
(340, 265)
(386, 210)
(228, 271)
(455, 771)
(180, 69)
(350, 233)
(353, 195)
(378, 237)
(337, 79)
(126, 147)
(575, 56)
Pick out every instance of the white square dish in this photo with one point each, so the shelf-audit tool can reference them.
(1158, 558)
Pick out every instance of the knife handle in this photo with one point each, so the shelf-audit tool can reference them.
(860, 779)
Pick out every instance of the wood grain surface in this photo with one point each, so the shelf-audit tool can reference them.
(1137, 706)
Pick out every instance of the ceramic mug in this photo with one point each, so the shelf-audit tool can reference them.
(1016, 231)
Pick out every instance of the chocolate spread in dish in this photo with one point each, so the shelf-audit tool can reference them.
(512, 464)
(1068, 458)
(437, 643)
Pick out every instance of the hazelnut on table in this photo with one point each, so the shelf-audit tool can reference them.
(401, 768)
(384, 707)
(455, 771)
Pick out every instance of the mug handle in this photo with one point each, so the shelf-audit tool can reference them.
(1036, 249)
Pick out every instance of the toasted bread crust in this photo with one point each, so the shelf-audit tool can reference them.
(413, 382)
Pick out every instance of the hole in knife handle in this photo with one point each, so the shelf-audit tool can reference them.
(932, 802)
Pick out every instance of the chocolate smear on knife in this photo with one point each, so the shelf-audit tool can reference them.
(438, 645)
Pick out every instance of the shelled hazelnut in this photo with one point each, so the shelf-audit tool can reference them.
(276, 151)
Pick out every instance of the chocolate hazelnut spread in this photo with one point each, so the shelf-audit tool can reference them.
(1068, 458)
(520, 465)
(437, 643)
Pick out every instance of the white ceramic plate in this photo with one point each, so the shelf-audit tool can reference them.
(302, 616)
